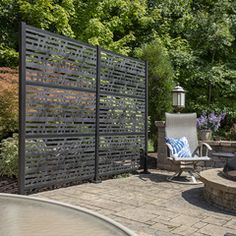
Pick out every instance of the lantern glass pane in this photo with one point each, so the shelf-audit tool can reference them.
(182, 104)
(175, 99)
(179, 100)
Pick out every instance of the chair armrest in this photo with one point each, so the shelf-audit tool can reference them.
(208, 148)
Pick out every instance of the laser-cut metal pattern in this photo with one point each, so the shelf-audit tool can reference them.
(122, 75)
(50, 161)
(119, 154)
(58, 111)
(83, 111)
(121, 114)
(122, 110)
(57, 61)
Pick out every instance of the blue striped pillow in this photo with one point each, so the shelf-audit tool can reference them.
(180, 146)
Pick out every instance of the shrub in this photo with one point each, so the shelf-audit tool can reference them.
(8, 56)
(9, 102)
(9, 156)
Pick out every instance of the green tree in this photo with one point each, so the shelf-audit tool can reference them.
(8, 33)
(117, 25)
(212, 38)
(160, 75)
(53, 15)
(198, 36)
(200, 39)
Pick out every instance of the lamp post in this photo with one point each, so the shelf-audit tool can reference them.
(178, 98)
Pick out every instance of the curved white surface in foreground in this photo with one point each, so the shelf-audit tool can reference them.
(30, 216)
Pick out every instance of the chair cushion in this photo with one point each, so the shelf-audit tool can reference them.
(180, 146)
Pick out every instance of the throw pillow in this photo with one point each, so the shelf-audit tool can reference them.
(180, 146)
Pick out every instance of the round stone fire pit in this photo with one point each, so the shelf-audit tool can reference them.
(219, 190)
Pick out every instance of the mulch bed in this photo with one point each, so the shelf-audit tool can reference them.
(8, 185)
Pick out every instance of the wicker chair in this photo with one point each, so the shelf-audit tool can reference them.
(184, 125)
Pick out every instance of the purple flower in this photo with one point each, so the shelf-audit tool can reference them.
(210, 121)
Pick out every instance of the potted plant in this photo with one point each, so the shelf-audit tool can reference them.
(208, 123)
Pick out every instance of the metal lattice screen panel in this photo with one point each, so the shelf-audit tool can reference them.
(122, 113)
(82, 111)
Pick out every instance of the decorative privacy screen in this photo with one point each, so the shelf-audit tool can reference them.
(83, 111)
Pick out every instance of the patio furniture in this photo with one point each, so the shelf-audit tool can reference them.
(179, 125)
(27, 216)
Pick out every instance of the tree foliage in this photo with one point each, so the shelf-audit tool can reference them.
(200, 38)
(8, 33)
(160, 75)
(116, 25)
(46, 14)
(197, 36)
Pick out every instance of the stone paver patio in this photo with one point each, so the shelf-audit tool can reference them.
(149, 205)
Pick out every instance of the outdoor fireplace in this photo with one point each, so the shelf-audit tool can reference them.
(230, 169)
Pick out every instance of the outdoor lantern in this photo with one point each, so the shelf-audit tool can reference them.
(178, 98)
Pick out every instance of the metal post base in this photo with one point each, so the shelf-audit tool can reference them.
(96, 181)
